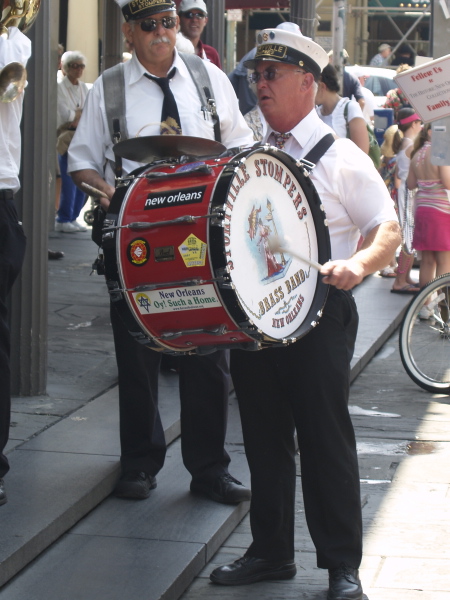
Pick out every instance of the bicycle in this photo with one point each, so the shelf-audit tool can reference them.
(425, 337)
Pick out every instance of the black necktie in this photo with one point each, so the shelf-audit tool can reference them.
(170, 119)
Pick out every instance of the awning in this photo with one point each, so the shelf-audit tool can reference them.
(255, 4)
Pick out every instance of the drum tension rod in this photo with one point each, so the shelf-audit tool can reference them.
(143, 225)
(199, 170)
(170, 335)
(148, 287)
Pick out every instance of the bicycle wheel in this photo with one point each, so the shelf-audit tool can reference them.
(425, 337)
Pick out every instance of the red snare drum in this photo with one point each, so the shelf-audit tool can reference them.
(194, 259)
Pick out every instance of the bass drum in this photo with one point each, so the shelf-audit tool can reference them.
(194, 257)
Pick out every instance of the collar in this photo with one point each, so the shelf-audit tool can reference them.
(137, 70)
(304, 130)
(68, 84)
(200, 50)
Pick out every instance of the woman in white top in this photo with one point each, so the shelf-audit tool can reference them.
(331, 109)
(71, 98)
(409, 126)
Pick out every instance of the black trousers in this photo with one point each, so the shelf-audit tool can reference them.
(305, 387)
(204, 389)
(12, 252)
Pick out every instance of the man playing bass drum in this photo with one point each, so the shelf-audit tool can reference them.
(150, 27)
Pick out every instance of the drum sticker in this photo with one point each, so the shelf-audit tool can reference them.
(176, 299)
(178, 198)
(138, 252)
(164, 253)
(266, 200)
(193, 251)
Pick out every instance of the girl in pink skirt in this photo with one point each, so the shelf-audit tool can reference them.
(432, 216)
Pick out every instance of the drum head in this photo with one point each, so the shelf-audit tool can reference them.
(150, 148)
(278, 295)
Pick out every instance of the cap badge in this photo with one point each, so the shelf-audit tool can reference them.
(274, 51)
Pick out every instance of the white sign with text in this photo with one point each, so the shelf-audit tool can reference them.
(427, 87)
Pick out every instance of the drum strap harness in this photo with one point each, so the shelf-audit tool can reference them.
(316, 153)
(115, 104)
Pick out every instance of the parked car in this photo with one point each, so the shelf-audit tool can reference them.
(379, 81)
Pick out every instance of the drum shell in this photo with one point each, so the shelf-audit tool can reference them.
(225, 322)
(165, 263)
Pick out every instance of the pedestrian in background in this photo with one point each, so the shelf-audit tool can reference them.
(72, 93)
(14, 47)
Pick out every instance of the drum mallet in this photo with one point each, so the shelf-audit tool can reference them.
(93, 191)
(275, 245)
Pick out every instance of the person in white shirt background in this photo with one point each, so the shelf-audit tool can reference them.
(72, 93)
(14, 47)
(382, 58)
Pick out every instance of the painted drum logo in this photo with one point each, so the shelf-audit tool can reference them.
(175, 198)
(138, 252)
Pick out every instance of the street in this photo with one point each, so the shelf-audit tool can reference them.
(403, 436)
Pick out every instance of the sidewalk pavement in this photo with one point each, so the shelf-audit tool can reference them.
(64, 451)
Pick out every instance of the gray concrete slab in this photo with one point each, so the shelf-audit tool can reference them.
(82, 568)
(172, 514)
(48, 492)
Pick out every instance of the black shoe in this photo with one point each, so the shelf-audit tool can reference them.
(344, 584)
(250, 570)
(55, 254)
(135, 485)
(224, 489)
(3, 498)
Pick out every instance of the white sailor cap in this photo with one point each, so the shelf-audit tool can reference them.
(289, 45)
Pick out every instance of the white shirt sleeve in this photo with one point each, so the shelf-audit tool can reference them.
(91, 142)
(65, 113)
(14, 48)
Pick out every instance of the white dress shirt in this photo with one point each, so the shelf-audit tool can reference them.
(70, 98)
(144, 98)
(354, 196)
(15, 48)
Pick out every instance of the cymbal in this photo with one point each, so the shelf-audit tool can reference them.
(147, 149)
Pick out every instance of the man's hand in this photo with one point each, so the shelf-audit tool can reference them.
(93, 179)
(343, 274)
(377, 250)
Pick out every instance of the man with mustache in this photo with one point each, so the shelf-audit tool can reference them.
(150, 27)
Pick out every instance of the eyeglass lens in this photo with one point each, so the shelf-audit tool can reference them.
(193, 15)
(268, 74)
(151, 24)
(77, 65)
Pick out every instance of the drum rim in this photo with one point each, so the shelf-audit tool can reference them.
(323, 244)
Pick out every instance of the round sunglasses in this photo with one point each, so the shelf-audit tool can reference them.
(151, 24)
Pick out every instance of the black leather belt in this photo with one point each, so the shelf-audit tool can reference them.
(6, 195)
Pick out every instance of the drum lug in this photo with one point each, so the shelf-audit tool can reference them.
(217, 216)
(114, 291)
(108, 230)
(223, 279)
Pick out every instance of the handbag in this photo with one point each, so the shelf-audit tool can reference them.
(64, 137)
(374, 148)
